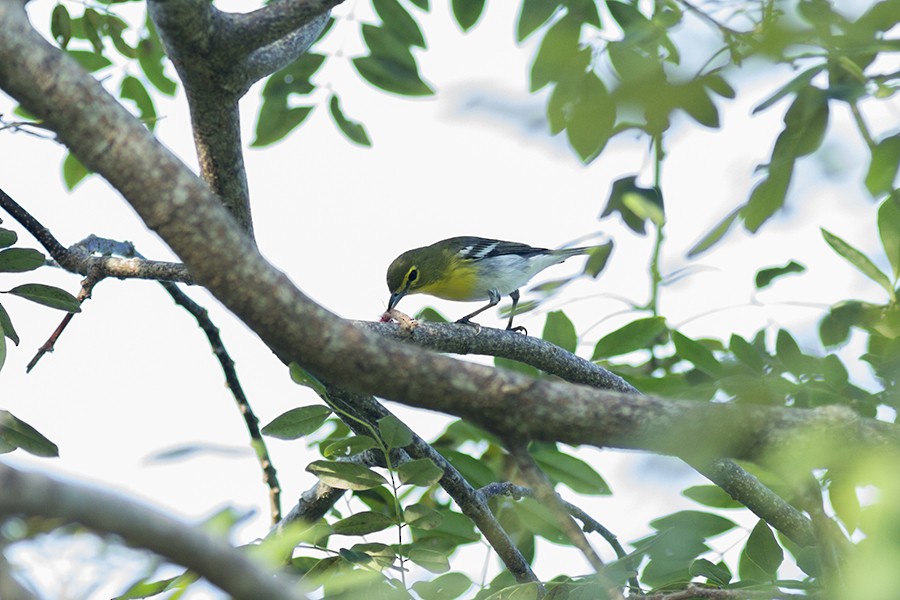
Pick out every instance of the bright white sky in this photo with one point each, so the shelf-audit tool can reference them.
(133, 376)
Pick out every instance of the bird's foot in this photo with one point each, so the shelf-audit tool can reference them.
(465, 321)
(517, 329)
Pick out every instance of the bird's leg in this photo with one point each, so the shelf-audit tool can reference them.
(494, 300)
(512, 313)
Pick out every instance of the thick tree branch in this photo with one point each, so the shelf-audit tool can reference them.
(212, 558)
(218, 56)
(182, 210)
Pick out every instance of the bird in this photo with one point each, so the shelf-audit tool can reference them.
(469, 269)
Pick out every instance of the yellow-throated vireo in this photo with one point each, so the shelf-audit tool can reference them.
(471, 269)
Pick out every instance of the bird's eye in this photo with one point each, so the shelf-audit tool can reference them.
(413, 274)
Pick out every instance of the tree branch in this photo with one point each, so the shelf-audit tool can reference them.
(188, 216)
(232, 571)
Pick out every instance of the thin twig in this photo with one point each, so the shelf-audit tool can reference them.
(546, 495)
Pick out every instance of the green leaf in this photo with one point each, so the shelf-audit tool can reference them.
(701, 525)
(349, 447)
(394, 433)
(788, 352)
(422, 4)
(421, 472)
(637, 335)
(276, 121)
(422, 516)
(884, 166)
(765, 277)
(597, 259)
(532, 15)
(559, 330)
(798, 83)
(345, 476)
(745, 352)
(559, 53)
(47, 295)
(19, 434)
(151, 57)
(7, 237)
(445, 587)
(301, 376)
(591, 118)
(696, 353)
(89, 61)
(3, 354)
(354, 131)
(889, 231)
(711, 495)
(715, 235)
(718, 575)
(474, 471)
(467, 12)
(73, 171)
(382, 554)
(518, 367)
(844, 500)
(635, 204)
(396, 19)
(293, 79)
(835, 373)
(573, 472)
(362, 523)
(7, 326)
(20, 260)
(132, 89)
(520, 591)
(61, 25)
(762, 554)
(860, 261)
(391, 75)
(429, 560)
(297, 422)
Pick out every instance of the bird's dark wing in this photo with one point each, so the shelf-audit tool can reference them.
(480, 248)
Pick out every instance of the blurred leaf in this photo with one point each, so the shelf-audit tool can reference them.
(517, 591)
(889, 231)
(765, 277)
(7, 326)
(844, 500)
(635, 204)
(2, 354)
(717, 575)
(422, 4)
(559, 330)
(532, 15)
(301, 376)
(391, 75)
(696, 353)
(421, 472)
(597, 259)
(573, 472)
(467, 12)
(762, 555)
(429, 560)
(474, 471)
(19, 434)
(132, 89)
(297, 422)
(884, 165)
(637, 335)
(47, 295)
(349, 447)
(518, 367)
(859, 260)
(151, 57)
(715, 235)
(362, 523)
(345, 476)
(590, 117)
(745, 352)
(711, 495)
(89, 61)
(558, 54)
(835, 373)
(445, 587)
(394, 433)
(20, 260)
(73, 171)
(7, 237)
(381, 554)
(276, 121)
(354, 131)
(92, 24)
(396, 19)
(798, 83)
(701, 525)
(422, 516)
(61, 25)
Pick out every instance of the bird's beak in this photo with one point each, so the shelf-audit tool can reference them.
(395, 298)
